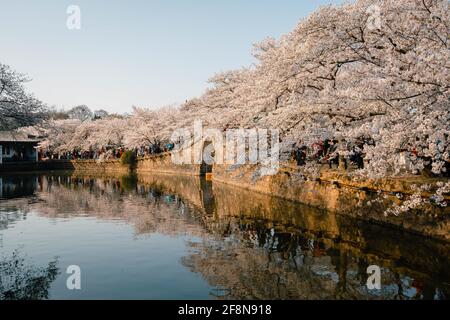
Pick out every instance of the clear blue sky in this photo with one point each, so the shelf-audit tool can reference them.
(136, 52)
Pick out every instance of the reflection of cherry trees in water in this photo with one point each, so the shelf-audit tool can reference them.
(148, 208)
(256, 261)
(21, 281)
(254, 248)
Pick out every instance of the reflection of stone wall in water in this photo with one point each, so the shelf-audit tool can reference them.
(112, 197)
(229, 211)
(353, 233)
(187, 186)
(264, 262)
(253, 245)
(343, 236)
(336, 192)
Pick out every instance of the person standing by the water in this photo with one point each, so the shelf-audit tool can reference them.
(300, 156)
(333, 157)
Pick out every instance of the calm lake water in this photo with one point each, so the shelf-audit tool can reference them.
(166, 237)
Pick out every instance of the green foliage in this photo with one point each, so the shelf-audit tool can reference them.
(128, 158)
(129, 182)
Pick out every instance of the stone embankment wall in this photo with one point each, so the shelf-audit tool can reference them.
(333, 191)
(52, 165)
(104, 166)
(159, 163)
(336, 192)
(163, 163)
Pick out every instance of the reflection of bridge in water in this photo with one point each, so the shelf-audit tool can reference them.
(254, 245)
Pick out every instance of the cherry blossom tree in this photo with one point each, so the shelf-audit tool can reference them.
(18, 108)
(372, 73)
(340, 75)
(151, 127)
(58, 135)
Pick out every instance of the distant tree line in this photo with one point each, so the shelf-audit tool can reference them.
(81, 112)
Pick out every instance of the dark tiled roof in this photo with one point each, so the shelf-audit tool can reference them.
(11, 136)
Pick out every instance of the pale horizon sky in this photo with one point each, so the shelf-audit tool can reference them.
(144, 53)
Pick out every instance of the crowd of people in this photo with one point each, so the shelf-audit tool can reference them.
(108, 153)
(335, 153)
(331, 152)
